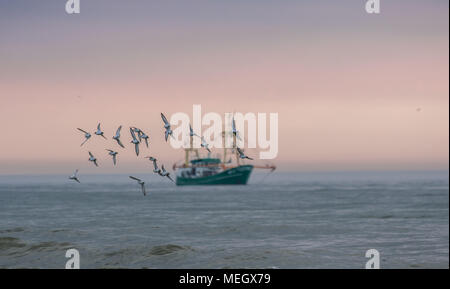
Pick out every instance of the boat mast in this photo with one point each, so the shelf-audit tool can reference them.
(189, 150)
(224, 148)
(235, 150)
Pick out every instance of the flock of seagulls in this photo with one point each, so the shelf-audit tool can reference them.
(137, 137)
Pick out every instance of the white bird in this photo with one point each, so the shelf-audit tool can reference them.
(165, 173)
(134, 141)
(93, 159)
(74, 176)
(167, 127)
(117, 136)
(143, 136)
(234, 130)
(242, 155)
(156, 170)
(99, 131)
(86, 135)
(191, 132)
(205, 145)
(138, 131)
(140, 182)
(113, 154)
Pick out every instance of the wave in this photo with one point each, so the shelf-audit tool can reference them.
(13, 230)
(167, 249)
(15, 247)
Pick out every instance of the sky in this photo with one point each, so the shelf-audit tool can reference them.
(353, 91)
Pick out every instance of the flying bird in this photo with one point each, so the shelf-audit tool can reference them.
(242, 155)
(134, 141)
(156, 170)
(113, 154)
(167, 127)
(93, 159)
(74, 176)
(138, 131)
(117, 136)
(99, 131)
(205, 145)
(234, 129)
(143, 136)
(165, 173)
(86, 135)
(140, 182)
(191, 132)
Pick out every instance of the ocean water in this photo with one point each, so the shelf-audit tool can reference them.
(285, 220)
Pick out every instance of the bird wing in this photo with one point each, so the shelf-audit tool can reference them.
(136, 179)
(82, 130)
(170, 178)
(119, 142)
(166, 134)
(95, 162)
(83, 142)
(90, 154)
(164, 119)
(233, 124)
(143, 189)
(132, 134)
(118, 131)
(114, 159)
(136, 148)
(76, 172)
(76, 179)
(146, 141)
(239, 151)
(98, 126)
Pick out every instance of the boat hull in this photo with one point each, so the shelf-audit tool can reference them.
(234, 176)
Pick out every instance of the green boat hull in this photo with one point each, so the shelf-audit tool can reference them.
(234, 176)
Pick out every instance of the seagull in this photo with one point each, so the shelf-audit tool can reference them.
(74, 176)
(140, 182)
(205, 145)
(138, 131)
(86, 135)
(167, 127)
(234, 130)
(143, 136)
(93, 159)
(156, 170)
(134, 141)
(117, 137)
(113, 154)
(165, 173)
(99, 131)
(191, 132)
(242, 155)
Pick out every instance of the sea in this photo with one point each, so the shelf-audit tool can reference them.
(279, 220)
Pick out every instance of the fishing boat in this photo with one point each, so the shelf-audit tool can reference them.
(197, 170)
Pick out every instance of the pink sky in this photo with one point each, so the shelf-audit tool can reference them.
(347, 93)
